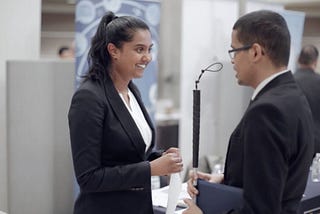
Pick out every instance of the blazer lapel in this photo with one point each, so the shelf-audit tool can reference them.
(137, 95)
(124, 116)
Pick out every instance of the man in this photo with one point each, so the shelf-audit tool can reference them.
(65, 52)
(271, 149)
(309, 81)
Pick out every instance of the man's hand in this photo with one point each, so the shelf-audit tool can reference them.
(213, 178)
(192, 208)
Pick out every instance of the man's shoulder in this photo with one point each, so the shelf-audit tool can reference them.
(307, 77)
(304, 72)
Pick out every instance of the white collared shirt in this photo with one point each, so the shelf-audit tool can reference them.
(265, 82)
(139, 119)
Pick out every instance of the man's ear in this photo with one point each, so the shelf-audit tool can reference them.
(257, 52)
(314, 65)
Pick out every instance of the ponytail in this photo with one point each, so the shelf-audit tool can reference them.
(98, 57)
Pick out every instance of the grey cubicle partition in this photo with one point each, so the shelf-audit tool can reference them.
(40, 173)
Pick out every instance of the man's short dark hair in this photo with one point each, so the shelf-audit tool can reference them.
(63, 49)
(308, 55)
(269, 29)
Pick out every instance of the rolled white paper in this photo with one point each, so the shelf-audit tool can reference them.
(175, 188)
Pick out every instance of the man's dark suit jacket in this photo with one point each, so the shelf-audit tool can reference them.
(108, 152)
(271, 149)
(309, 81)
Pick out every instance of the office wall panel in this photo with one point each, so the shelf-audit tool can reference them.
(40, 174)
(19, 39)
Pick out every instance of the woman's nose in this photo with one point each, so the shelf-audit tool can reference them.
(147, 57)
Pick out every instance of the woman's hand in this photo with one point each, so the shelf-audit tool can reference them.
(172, 150)
(192, 208)
(170, 162)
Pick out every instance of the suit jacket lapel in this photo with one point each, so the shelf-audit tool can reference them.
(124, 116)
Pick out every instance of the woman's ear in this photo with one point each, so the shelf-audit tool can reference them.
(112, 50)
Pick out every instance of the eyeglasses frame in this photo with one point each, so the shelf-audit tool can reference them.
(243, 48)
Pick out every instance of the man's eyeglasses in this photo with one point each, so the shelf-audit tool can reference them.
(232, 52)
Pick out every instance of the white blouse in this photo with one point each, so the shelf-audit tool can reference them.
(138, 117)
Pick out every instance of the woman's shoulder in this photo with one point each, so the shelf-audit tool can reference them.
(90, 85)
(90, 89)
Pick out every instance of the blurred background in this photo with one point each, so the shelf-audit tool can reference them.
(36, 85)
(58, 26)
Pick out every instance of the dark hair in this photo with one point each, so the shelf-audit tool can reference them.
(62, 49)
(111, 29)
(308, 55)
(269, 29)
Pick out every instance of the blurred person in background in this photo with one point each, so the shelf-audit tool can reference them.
(309, 81)
(66, 52)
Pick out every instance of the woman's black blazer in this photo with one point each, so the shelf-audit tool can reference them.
(110, 162)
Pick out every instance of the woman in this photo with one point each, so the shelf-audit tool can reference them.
(112, 136)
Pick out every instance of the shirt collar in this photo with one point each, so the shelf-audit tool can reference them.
(265, 82)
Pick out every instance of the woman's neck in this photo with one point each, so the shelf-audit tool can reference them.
(120, 83)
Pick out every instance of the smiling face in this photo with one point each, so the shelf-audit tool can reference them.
(130, 60)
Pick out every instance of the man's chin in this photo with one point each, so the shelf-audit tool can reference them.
(240, 82)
